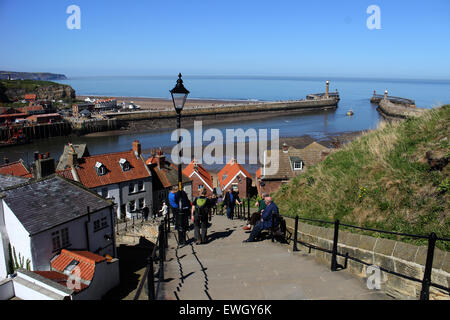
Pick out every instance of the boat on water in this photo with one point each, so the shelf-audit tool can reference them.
(16, 138)
(350, 112)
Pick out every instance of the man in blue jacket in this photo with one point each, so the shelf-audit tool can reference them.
(181, 215)
(266, 220)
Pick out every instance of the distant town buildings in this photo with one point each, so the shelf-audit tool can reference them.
(292, 162)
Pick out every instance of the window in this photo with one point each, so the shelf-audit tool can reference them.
(132, 204)
(124, 164)
(105, 192)
(131, 188)
(70, 267)
(96, 225)
(100, 168)
(141, 203)
(141, 185)
(200, 187)
(65, 237)
(298, 165)
(56, 241)
(104, 222)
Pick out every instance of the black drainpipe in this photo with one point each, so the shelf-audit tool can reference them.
(86, 224)
(112, 230)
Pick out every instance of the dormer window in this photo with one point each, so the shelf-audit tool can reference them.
(297, 163)
(124, 164)
(100, 168)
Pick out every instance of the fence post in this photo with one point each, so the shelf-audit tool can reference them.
(273, 228)
(150, 279)
(426, 282)
(295, 234)
(334, 264)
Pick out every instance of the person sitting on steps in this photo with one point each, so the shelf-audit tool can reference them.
(256, 216)
(266, 221)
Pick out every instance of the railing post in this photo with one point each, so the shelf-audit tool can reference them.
(273, 228)
(295, 234)
(426, 282)
(167, 230)
(334, 264)
(150, 279)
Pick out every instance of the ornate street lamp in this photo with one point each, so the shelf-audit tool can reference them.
(179, 95)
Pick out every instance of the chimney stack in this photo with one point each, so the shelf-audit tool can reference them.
(160, 159)
(44, 167)
(137, 148)
(72, 158)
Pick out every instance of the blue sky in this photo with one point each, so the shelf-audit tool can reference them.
(246, 37)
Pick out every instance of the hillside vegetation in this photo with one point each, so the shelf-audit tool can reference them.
(13, 90)
(394, 178)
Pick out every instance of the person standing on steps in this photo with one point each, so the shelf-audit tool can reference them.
(180, 214)
(199, 214)
(230, 200)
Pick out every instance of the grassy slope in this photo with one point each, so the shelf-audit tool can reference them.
(381, 180)
(27, 84)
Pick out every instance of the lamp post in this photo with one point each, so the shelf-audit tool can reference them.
(179, 95)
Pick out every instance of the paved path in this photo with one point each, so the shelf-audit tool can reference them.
(227, 269)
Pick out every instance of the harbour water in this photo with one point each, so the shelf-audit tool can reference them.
(354, 93)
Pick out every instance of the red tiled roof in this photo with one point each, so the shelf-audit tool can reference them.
(11, 115)
(168, 173)
(202, 172)
(86, 262)
(31, 108)
(17, 169)
(258, 173)
(114, 174)
(30, 97)
(66, 173)
(60, 278)
(230, 170)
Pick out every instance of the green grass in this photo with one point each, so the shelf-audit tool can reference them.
(27, 84)
(381, 180)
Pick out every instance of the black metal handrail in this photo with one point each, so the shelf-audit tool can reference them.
(426, 281)
(149, 275)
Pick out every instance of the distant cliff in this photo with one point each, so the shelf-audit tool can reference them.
(13, 75)
(13, 90)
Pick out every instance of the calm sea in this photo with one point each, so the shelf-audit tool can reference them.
(354, 93)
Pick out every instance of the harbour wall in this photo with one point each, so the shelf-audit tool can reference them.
(391, 110)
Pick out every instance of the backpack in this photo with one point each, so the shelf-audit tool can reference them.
(201, 204)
